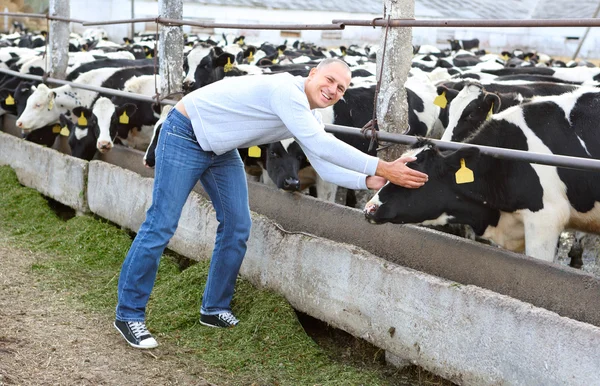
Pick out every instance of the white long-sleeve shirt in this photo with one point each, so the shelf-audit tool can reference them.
(253, 110)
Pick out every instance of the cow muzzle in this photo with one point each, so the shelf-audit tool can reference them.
(370, 211)
(291, 184)
(104, 146)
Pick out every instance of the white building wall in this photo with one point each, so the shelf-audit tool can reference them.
(549, 40)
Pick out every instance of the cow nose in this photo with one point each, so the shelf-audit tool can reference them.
(291, 184)
(19, 124)
(188, 84)
(370, 208)
(104, 146)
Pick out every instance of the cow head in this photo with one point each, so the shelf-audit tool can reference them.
(440, 201)
(113, 121)
(469, 109)
(104, 110)
(284, 160)
(82, 133)
(40, 109)
(191, 63)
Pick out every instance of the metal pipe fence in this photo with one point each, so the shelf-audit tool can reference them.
(544, 159)
(520, 155)
(337, 24)
(471, 23)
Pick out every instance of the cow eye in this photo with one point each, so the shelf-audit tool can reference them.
(273, 154)
(37, 105)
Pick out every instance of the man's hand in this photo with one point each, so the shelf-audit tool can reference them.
(399, 174)
(375, 182)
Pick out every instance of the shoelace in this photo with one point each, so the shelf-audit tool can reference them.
(139, 329)
(228, 317)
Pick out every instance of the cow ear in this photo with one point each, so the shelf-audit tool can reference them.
(129, 108)
(83, 115)
(7, 99)
(77, 111)
(451, 94)
(492, 101)
(224, 60)
(469, 154)
(65, 121)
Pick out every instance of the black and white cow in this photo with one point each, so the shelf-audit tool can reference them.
(204, 66)
(83, 133)
(475, 103)
(466, 44)
(149, 156)
(132, 121)
(577, 74)
(45, 105)
(283, 161)
(506, 193)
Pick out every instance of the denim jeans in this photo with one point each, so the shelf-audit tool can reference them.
(180, 163)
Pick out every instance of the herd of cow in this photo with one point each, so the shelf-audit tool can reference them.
(514, 100)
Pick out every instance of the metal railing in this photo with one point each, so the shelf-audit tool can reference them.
(336, 24)
(538, 158)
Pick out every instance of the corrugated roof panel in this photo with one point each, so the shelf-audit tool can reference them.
(443, 9)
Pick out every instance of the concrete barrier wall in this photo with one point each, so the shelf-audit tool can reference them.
(59, 176)
(465, 333)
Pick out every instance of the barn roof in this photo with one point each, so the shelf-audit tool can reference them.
(436, 9)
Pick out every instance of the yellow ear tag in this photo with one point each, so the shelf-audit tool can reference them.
(241, 42)
(9, 100)
(526, 59)
(464, 175)
(250, 58)
(441, 100)
(56, 129)
(124, 119)
(489, 114)
(50, 104)
(279, 52)
(505, 57)
(254, 152)
(228, 67)
(65, 131)
(82, 121)
(149, 56)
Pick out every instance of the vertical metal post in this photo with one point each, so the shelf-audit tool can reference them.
(587, 30)
(58, 39)
(170, 46)
(132, 31)
(392, 106)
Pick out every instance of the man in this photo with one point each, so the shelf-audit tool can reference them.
(199, 141)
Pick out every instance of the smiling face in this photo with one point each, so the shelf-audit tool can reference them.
(326, 84)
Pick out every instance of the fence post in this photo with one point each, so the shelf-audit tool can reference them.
(392, 107)
(58, 35)
(170, 48)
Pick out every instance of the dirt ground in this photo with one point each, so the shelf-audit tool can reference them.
(45, 340)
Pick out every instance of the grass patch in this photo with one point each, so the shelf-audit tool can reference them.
(269, 347)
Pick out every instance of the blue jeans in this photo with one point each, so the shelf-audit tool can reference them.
(180, 163)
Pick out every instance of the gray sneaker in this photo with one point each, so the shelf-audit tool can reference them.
(223, 320)
(136, 334)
